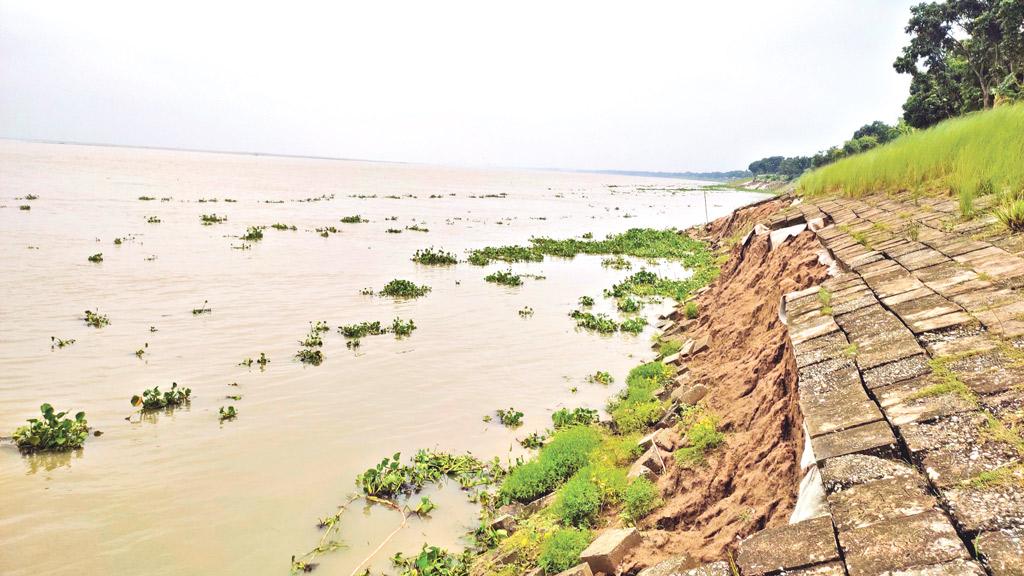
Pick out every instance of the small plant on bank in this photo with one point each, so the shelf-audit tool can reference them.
(97, 258)
(562, 550)
(586, 301)
(253, 234)
(1010, 213)
(640, 499)
(354, 219)
(60, 342)
(691, 311)
(53, 432)
(227, 413)
(579, 416)
(504, 277)
(600, 377)
(701, 435)
(403, 289)
(432, 257)
(95, 319)
(210, 219)
(825, 298)
(511, 418)
(154, 399)
(204, 309)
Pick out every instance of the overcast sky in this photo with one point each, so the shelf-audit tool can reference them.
(668, 86)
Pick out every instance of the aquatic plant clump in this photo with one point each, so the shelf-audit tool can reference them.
(362, 329)
(54, 432)
(95, 319)
(505, 278)
(432, 257)
(511, 417)
(253, 234)
(597, 322)
(511, 254)
(600, 377)
(404, 289)
(227, 413)
(210, 219)
(578, 416)
(390, 477)
(153, 399)
(354, 219)
(97, 258)
(402, 328)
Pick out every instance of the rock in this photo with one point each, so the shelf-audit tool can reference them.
(700, 344)
(954, 568)
(581, 570)
(653, 459)
(667, 439)
(686, 348)
(671, 358)
(536, 505)
(647, 441)
(505, 522)
(873, 502)
(609, 549)
(901, 543)
(689, 395)
(788, 547)
(513, 509)
(638, 470)
(677, 567)
(1002, 552)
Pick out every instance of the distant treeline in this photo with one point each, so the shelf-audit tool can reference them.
(963, 55)
(713, 176)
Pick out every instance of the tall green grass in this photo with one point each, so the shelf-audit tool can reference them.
(964, 157)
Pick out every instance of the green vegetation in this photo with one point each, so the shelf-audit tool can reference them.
(227, 413)
(95, 319)
(633, 325)
(646, 283)
(586, 301)
(568, 451)
(637, 407)
(825, 298)
(504, 277)
(98, 257)
(700, 431)
(511, 417)
(945, 380)
(310, 356)
(204, 309)
(690, 310)
(432, 561)
(964, 157)
(279, 226)
(628, 305)
(53, 432)
(362, 329)
(564, 418)
(24, 207)
(153, 220)
(668, 347)
(511, 254)
(434, 258)
(616, 262)
(417, 228)
(390, 477)
(209, 219)
(597, 322)
(355, 219)
(525, 312)
(153, 399)
(640, 499)
(253, 234)
(402, 328)
(60, 342)
(403, 289)
(600, 377)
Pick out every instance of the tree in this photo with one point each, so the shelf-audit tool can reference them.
(881, 131)
(962, 55)
(769, 165)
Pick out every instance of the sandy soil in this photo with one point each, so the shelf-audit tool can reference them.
(749, 369)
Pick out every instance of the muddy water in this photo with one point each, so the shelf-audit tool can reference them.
(182, 493)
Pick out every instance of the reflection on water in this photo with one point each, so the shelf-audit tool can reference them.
(189, 494)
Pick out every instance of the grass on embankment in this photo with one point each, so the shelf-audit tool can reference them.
(965, 157)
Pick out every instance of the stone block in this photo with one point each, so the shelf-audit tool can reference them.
(904, 369)
(581, 570)
(995, 507)
(875, 438)
(678, 566)
(874, 502)
(689, 395)
(954, 568)
(904, 403)
(609, 549)
(824, 419)
(901, 543)
(789, 547)
(852, 470)
(1002, 552)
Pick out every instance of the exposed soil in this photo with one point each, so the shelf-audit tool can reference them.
(750, 483)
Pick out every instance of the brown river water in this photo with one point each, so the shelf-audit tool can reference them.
(181, 492)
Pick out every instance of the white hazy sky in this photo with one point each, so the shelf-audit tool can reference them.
(574, 84)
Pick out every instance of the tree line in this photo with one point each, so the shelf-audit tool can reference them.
(963, 55)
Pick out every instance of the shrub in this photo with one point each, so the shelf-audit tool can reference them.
(1010, 213)
(568, 451)
(562, 550)
(701, 436)
(579, 501)
(691, 310)
(434, 258)
(633, 325)
(404, 289)
(54, 432)
(640, 498)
